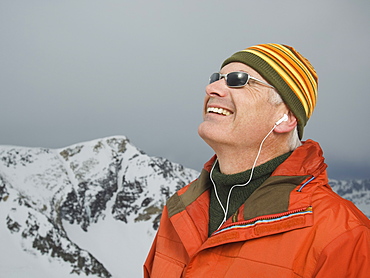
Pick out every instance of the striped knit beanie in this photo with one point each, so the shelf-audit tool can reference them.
(288, 71)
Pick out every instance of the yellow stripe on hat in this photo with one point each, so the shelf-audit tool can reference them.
(296, 74)
(287, 78)
(304, 76)
(308, 82)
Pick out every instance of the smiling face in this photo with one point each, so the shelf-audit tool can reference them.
(237, 118)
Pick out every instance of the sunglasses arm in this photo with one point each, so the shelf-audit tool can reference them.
(260, 81)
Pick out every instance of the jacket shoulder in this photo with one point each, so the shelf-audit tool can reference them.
(188, 194)
(336, 210)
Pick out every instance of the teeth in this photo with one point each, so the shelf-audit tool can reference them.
(218, 111)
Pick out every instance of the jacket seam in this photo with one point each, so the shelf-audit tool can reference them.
(170, 259)
(258, 261)
(339, 236)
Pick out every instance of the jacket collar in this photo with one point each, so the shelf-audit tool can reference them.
(305, 160)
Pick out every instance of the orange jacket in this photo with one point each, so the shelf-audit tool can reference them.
(293, 225)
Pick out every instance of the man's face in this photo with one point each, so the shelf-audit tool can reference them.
(237, 117)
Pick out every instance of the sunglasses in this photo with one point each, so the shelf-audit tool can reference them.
(235, 79)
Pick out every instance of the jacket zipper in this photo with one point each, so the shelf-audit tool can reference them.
(265, 217)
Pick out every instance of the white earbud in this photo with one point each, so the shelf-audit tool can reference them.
(283, 119)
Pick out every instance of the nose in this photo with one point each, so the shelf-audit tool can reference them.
(217, 88)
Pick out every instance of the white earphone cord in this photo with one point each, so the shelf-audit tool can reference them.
(236, 185)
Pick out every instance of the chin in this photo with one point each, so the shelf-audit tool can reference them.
(205, 131)
(201, 130)
(211, 134)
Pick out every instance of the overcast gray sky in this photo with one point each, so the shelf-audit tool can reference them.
(78, 70)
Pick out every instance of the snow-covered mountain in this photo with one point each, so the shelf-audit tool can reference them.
(92, 209)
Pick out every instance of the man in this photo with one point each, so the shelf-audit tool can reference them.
(262, 206)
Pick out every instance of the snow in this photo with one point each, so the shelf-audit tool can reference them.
(119, 247)
(17, 260)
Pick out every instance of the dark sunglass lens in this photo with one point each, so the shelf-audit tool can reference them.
(214, 77)
(237, 79)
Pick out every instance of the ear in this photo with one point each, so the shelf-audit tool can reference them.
(288, 125)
